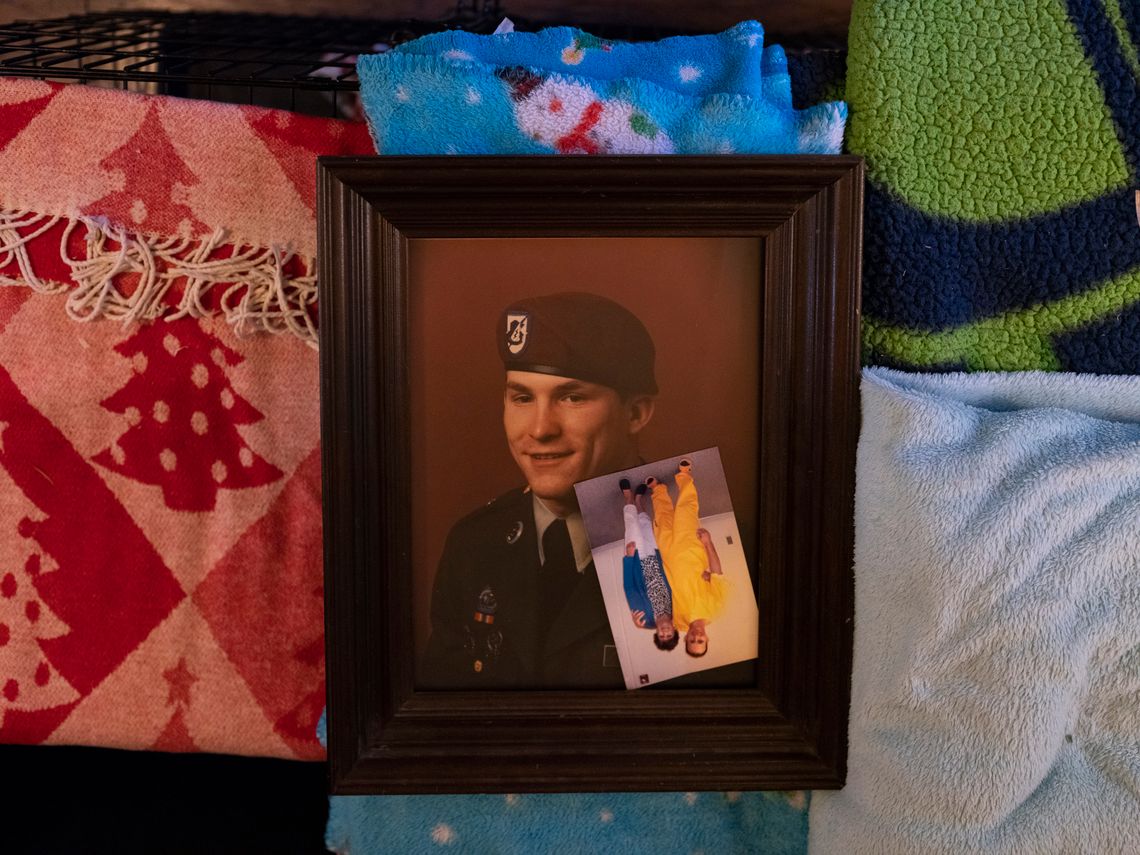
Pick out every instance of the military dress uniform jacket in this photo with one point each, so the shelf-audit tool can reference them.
(489, 627)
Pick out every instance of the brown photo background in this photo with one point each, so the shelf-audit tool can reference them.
(700, 300)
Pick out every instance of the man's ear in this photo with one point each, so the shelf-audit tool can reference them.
(640, 412)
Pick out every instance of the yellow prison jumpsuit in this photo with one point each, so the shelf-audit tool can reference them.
(684, 555)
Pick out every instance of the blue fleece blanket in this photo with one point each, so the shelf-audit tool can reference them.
(564, 91)
(769, 823)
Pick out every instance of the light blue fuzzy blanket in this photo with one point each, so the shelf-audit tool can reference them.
(996, 685)
(564, 91)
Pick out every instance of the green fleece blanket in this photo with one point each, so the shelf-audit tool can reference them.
(1002, 142)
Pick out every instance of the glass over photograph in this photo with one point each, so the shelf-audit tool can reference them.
(672, 571)
(540, 364)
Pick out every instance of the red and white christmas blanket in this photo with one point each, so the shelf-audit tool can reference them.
(160, 541)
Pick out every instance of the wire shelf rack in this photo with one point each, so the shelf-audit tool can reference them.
(269, 60)
(298, 63)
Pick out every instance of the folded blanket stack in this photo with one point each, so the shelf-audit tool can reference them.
(1003, 153)
(160, 562)
(564, 91)
(995, 675)
(996, 690)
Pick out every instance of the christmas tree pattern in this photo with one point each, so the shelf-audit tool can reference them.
(287, 135)
(176, 736)
(28, 682)
(92, 587)
(154, 178)
(183, 414)
(19, 115)
(299, 724)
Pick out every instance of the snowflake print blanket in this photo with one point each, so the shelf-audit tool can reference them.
(160, 542)
(564, 91)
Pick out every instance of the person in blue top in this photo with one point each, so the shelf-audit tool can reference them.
(647, 589)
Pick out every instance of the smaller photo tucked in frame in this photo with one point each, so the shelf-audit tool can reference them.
(673, 574)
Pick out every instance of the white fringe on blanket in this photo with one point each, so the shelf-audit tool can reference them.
(260, 296)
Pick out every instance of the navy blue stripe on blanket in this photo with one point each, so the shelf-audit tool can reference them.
(927, 272)
(1109, 346)
(1106, 55)
(1131, 11)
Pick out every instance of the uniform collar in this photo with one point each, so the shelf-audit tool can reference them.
(543, 517)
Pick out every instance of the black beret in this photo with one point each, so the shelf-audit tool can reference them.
(583, 336)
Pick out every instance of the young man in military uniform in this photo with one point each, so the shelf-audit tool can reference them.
(516, 601)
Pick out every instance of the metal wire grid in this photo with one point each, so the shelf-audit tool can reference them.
(265, 50)
(217, 56)
(303, 64)
(260, 50)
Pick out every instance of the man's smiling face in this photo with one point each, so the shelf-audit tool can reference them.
(562, 431)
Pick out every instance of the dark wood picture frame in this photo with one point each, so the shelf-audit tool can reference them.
(788, 731)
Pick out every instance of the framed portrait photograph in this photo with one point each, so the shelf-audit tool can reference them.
(588, 438)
